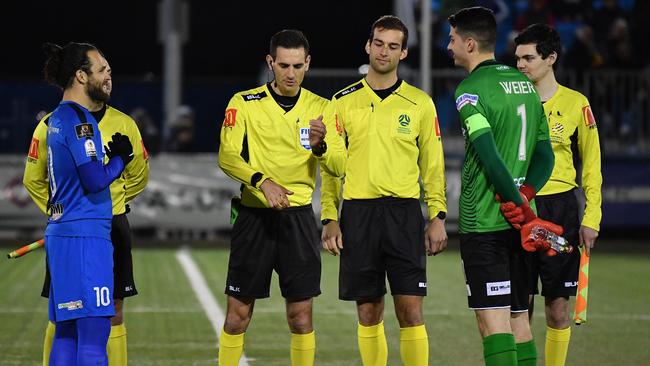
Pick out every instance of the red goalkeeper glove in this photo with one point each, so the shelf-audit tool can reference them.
(519, 215)
(544, 236)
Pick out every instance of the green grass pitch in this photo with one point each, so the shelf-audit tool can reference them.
(167, 325)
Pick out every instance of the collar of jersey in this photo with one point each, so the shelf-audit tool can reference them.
(280, 110)
(556, 95)
(374, 95)
(486, 63)
(73, 102)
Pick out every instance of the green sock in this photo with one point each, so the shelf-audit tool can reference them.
(500, 350)
(526, 353)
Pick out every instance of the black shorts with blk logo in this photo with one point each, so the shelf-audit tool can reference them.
(382, 238)
(264, 240)
(496, 270)
(559, 273)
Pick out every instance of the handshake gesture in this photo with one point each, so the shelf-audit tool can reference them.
(120, 145)
(536, 234)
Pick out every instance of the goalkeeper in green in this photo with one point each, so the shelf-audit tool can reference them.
(507, 146)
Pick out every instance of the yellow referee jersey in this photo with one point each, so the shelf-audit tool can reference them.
(391, 144)
(259, 140)
(570, 119)
(123, 189)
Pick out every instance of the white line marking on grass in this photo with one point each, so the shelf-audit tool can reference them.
(203, 293)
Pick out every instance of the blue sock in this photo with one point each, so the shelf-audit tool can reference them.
(93, 335)
(64, 346)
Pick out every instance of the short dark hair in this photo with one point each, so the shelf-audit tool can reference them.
(476, 22)
(545, 38)
(63, 62)
(390, 22)
(288, 38)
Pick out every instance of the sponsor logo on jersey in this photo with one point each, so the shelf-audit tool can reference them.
(33, 149)
(256, 96)
(349, 90)
(588, 116)
(404, 120)
(465, 99)
(84, 130)
(51, 129)
(556, 133)
(71, 305)
(91, 151)
(230, 118)
(503, 67)
(498, 288)
(304, 138)
(339, 128)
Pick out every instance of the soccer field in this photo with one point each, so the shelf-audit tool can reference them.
(168, 326)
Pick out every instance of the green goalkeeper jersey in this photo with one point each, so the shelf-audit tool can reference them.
(499, 99)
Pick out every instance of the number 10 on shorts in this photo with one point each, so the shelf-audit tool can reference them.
(103, 296)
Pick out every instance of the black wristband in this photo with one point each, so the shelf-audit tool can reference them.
(326, 221)
(441, 215)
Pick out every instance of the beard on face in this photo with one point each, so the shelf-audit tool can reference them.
(97, 93)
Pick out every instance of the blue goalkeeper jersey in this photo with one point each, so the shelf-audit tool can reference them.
(73, 139)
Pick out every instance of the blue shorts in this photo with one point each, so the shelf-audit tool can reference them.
(82, 277)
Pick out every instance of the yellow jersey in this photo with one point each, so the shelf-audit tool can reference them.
(260, 140)
(391, 144)
(125, 188)
(570, 119)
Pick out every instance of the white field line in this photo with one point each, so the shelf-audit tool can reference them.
(203, 294)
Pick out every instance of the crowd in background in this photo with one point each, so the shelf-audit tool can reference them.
(595, 33)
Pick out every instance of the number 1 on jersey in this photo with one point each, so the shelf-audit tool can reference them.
(521, 112)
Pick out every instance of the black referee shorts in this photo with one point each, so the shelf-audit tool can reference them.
(124, 284)
(558, 274)
(496, 270)
(263, 240)
(382, 237)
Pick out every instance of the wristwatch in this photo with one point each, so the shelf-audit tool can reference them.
(326, 221)
(320, 149)
(441, 215)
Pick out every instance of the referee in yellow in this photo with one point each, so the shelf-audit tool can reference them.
(392, 136)
(125, 188)
(273, 140)
(571, 125)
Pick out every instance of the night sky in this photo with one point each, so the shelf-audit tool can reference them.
(227, 38)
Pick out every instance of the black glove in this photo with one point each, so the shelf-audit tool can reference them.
(120, 146)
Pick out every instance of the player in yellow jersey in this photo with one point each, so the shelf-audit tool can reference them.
(570, 122)
(273, 139)
(392, 135)
(124, 189)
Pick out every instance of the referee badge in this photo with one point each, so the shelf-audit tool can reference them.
(304, 138)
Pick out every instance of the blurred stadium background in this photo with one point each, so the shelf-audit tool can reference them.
(176, 64)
